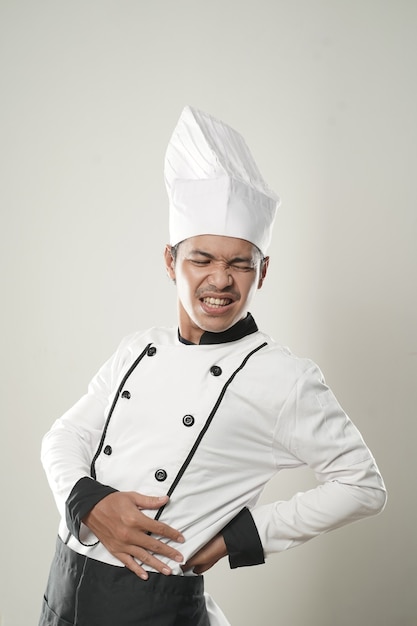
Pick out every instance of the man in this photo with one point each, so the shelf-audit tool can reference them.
(158, 468)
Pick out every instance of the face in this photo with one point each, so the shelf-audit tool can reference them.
(216, 279)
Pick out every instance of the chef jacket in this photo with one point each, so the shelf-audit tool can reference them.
(210, 425)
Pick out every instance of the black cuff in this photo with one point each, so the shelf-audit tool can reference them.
(242, 541)
(84, 496)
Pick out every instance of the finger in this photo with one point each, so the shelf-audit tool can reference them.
(153, 562)
(185, 567)
(149, 502)
(130, 563)
(196, 570)
(200, 569)
(159, 547)
(152, 545)
(154, 526)
(139, 558)
(163, 530)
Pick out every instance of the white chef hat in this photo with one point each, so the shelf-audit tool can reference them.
(214, 185)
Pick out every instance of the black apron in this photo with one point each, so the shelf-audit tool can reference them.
(85, 592)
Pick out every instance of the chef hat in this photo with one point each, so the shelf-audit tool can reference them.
(214, 185)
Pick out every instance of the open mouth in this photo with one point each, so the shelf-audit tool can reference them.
(217, 302)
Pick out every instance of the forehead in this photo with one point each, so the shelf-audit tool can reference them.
(219, 246)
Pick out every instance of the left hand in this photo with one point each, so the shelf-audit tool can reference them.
(207, 556)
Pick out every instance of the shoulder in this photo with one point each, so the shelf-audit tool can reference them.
(281, 357)
(132, 345)
(137, 341)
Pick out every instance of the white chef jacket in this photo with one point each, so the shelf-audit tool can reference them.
(211, 424)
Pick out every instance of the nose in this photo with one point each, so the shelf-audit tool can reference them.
(220, 277)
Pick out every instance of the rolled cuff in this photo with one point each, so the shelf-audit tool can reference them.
(242, 540)
(83, 497)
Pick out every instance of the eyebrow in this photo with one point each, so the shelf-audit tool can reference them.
(236, 259)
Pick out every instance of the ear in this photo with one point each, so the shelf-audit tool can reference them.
(169, 262)
(264, 270)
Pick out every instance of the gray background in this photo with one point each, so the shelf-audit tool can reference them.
(325, 94)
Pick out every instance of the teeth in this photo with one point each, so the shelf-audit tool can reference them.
(216, 301)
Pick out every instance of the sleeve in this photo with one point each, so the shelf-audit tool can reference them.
(69, 446)
(313, 430)
(85, 494)
(242, 541)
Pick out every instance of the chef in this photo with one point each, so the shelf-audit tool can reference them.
(158, 469)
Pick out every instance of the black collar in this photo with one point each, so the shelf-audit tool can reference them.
(244, 327)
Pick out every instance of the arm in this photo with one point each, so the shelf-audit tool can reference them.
(69, 446)
(239, 540)
(89, 507)
(313, 430)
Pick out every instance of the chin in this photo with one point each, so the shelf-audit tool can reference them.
(216, 326)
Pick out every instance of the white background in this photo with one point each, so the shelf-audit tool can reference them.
(325, 94)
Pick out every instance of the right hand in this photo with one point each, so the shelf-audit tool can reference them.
(118, 522)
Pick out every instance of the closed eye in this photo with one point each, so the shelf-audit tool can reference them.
(198, 262)
(238, 264)
(241, 268)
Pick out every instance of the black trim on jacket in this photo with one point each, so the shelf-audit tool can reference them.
(242, 541)
(85, 494)
(241, 329)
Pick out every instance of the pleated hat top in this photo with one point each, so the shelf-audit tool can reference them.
(214, 185)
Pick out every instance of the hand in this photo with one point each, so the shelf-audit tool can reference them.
(123, 529)
(207, 556)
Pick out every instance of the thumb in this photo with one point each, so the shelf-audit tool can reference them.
(149, 502)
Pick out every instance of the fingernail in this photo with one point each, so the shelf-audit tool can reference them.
(166, 571)
(180, 538)
(179, 558)
(144, 576)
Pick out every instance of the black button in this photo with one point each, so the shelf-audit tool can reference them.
(215, 370)
(126, 394)
(151, 351)
(160, 475)
(108, 450)
(188, 420)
